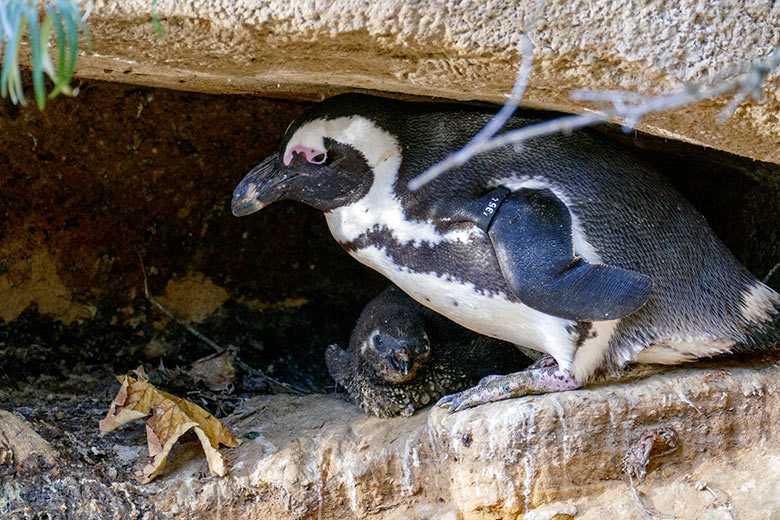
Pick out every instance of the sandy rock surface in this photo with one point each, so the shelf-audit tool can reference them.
(455, 50)
(509, 458)
(319, 457)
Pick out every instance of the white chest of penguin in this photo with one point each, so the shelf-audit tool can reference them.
(492, 315)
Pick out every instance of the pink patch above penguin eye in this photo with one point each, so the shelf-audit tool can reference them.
(312, 155)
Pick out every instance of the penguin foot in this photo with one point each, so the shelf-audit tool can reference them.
(545, 361)
(490, 389)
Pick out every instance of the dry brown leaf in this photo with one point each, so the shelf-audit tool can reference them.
(216, 371)
(167, 418)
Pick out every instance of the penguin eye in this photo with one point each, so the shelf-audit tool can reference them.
(377, 339)
(424, 346)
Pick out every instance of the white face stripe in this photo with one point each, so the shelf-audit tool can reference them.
(380, 208)
(581, 245)
(375, 144)
(494, 316)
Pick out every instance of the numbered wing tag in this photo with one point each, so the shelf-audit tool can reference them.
(489, 205)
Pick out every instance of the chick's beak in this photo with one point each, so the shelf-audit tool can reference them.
(260, 187)
(400, 365)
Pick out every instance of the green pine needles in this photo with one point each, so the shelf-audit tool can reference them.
(58, 19)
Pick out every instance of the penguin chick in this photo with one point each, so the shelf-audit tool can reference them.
(402, 356)
(390, 338)
(657, 285)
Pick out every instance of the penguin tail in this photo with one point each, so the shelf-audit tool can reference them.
(775, 328)
(761, 318)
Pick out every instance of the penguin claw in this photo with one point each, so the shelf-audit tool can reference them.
(446, 400)
(484, 392)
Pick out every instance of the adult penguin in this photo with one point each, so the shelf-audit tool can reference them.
(572, 246)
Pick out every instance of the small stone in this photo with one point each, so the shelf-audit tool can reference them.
(126, 454)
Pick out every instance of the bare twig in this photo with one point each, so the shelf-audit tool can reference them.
(771, 272)
(175, 318)
(273, 383)
(646, 511)
(484, 136)
(750, 84)
(719, 504)
(478, 143)
(629, 107)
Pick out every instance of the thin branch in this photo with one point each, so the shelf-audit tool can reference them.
(275, 385)
(478, 142)
(173, 317)
(751, 84)
(646, 511)
(630, 107)
(553, 126)
(771, 272)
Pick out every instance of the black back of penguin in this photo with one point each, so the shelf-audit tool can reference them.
(703, 301)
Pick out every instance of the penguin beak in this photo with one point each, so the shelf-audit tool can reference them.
(400, 365)
(263, 185)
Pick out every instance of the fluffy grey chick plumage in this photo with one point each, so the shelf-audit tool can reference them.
(402, 357)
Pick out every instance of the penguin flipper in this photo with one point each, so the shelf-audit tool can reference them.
(337, 361)
(531, 233)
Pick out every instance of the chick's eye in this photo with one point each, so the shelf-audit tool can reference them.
(377, 340)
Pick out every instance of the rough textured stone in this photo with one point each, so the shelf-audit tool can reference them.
(457, 50)
(543, 455)
(317, 456)
(19, 442)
